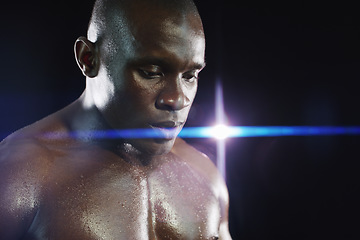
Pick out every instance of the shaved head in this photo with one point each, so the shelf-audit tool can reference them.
(119, 16)
(142, 59)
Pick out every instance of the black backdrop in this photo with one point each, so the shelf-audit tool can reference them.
(280, 64)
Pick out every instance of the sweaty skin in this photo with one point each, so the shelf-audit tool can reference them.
(141, 72)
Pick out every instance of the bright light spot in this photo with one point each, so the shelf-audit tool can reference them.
(220, 131)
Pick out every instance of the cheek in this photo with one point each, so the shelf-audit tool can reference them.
(132, 104)
(102, 90)
(138, 100)
(191, 92)
(142, 93)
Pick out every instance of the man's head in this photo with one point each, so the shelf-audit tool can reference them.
(141, 59)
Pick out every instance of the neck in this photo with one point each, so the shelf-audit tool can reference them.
(85, 122)
(84, 117)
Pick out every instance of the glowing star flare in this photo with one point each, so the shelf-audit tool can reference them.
(220, 131)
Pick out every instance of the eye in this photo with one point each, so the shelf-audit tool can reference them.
(191, 76)
(151, 72)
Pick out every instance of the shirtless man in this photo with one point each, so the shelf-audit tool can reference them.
(141, 60)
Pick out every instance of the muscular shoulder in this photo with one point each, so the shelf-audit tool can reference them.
(22, 169)
(22, 154)
(27, 152)
(202, 164)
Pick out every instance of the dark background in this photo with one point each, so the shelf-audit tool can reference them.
(280, 64)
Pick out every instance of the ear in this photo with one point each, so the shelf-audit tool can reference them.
(86, 57)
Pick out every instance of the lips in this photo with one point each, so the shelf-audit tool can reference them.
(167, 124)
(167, 129)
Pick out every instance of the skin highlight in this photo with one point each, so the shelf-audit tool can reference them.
(141, 60)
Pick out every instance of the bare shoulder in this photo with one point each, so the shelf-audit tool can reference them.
(27, 151)
(201, 163)
(23, 164)
(27, 154)
(23, 153)
(204, 166)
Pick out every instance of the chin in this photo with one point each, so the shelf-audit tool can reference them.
(153, 147)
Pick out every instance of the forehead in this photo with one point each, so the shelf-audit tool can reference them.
(160, 33)
(173, 38)
(170, 42)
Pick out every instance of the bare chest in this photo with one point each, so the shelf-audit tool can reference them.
(172, 202)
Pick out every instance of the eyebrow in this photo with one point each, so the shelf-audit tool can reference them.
(163, 62)
(200, 66)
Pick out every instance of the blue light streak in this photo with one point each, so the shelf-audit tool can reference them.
(270, 131)
(211, 132)
(118, 133)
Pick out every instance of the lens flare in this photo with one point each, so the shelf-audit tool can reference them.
(220, 131)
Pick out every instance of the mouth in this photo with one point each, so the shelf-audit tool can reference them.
(168, 129)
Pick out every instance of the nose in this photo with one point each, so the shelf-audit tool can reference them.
(172, 97)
